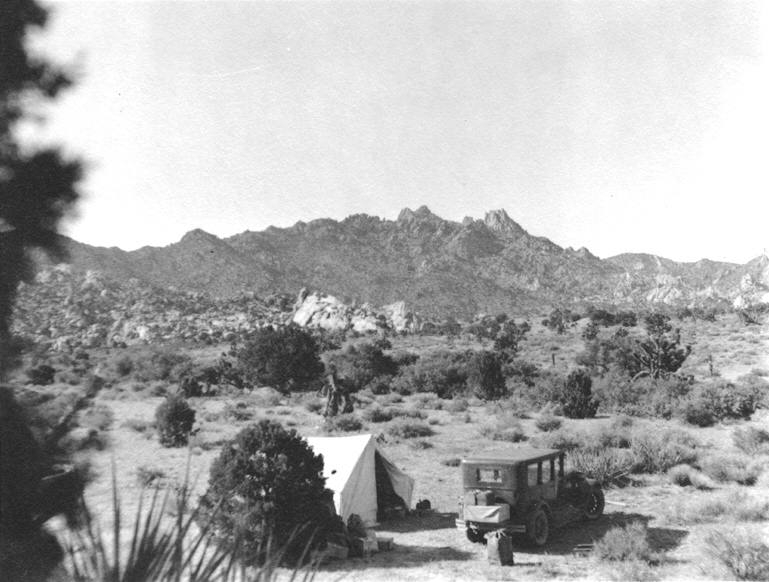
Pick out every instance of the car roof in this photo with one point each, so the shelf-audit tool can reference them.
(517, 455)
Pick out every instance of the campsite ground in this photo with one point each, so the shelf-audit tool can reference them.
(428, 546)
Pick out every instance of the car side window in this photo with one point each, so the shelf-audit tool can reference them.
(534, 472)
(548, 474)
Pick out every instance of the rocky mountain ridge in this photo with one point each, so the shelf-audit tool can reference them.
(438, 267)
(65, 310)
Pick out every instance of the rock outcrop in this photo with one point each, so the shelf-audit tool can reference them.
(66, 310)
(318, 310)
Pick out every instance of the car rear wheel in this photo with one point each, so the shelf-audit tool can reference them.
(595, 504)
(538, 527)
(475, 536)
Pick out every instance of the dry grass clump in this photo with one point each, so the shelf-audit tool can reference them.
(548, 422)
(238, 412)
(743, 551)
(420, 444)
(625, 543)
(265, 397)
(506, 428)
(563, 439)
(408, 428)
(378, 414)
(725, 468)
(608, 466)
(734, 505)
(656, 452)
(139, 425)
(457, 405)
(392, 398)
(397, 412)
(315, 405)
(428, 401)
(618, 434)
(343, 423)
(686, 475)
(753, 440)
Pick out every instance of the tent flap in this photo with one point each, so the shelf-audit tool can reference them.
(350, 468)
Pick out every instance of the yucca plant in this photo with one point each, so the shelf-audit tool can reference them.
(164, 550)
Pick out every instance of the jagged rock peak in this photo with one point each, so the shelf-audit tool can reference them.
(499, 221)
(421, 213)
(585, 253)
(199, 234)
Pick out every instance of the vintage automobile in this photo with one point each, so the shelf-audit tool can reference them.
(524, 491)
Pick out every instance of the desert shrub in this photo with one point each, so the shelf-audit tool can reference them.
(162, 364)
(548, 423)
(751, 440)
(315, 406)
(377, 414)
(656, 452)
(686, 475)
(41, 375)
(406, 428)
(360, 365)
(576, 397)
(731, 469)
(521, 373)
(138, 424)
(723, 400)
(124, 366)
(626, 543)
(442, 373)
(392, 399)
(485, 377)
(457, 405)
(174, 419)
(562, 439)
(267, 485)
(615, 435)
(380, 385)
(344, 423)
(742, 551)
(397, 412)
(265, 397)
(733, 504)
(505, 427)
(286, 358)
(697, 412)
(238, 412)
(607, 466)
(428, 401)
(510, 434)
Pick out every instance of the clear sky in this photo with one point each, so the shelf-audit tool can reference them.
(633, 126)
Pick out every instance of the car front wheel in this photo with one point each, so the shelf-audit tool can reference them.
(595, 504)
(538, 527)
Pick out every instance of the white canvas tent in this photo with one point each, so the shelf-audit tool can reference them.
(359, 474)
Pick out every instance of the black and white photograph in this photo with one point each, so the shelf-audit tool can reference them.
(378, 290)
